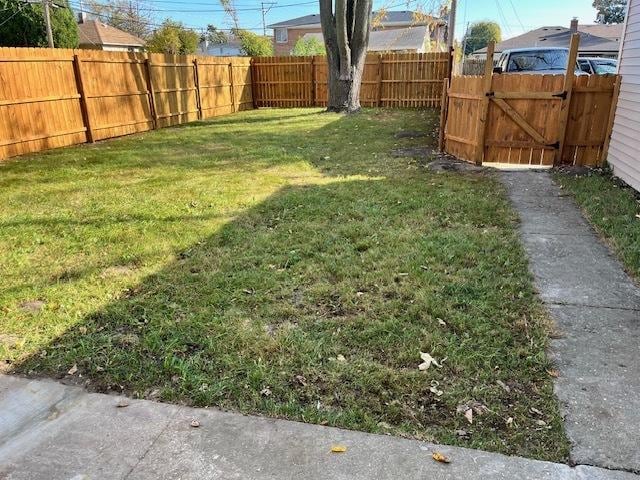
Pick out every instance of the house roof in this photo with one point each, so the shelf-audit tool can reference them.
(612, 32)
(558, 37)
(95, 32)
(412, 38)
(390, 17)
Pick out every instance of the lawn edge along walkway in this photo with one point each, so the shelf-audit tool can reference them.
(596, 308)
(52, 431)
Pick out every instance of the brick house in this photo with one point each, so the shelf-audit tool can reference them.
(288, 32)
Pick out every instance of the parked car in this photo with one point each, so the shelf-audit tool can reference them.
(535, 60)
(598, 65)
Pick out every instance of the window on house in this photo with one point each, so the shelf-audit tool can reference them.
(282, 35)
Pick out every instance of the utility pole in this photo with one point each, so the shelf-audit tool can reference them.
(47, 22)
(452, 24)
(264, 13)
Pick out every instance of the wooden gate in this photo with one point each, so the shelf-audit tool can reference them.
(529, 119)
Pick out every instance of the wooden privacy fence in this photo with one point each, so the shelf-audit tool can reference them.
(389, 80)
(55, 97)
(529, 119)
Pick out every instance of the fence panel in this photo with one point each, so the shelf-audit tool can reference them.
(506, 140)
(589, 114)
(39, 101)
(409, 80)
(461, 131)
(524, 124)
(116, 93)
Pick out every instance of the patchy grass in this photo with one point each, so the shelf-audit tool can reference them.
(280, 262)
(613, 208)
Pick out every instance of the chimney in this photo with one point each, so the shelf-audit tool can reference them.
(574, 25)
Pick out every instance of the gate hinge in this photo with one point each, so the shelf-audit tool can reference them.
(491, 94)
(562, 95)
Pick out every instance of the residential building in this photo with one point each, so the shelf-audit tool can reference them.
(399, 40)
(623, 154)
(595, 40)
(230, 48)
(96, 35)
(288, 32)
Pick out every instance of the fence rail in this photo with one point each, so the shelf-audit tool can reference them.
(56, 97)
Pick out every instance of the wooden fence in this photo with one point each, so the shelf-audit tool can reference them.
(529, 119)
(408, 80)
(55, 97)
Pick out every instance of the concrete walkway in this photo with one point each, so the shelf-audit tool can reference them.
(51, 431)
(596, 307)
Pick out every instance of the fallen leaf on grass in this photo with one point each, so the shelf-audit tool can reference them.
(553, 373)
(427, 360)
(442, 323)
(73, 370)
(536, 411)
(341, 358)
(439, 457)
(504, 386)
(338, 449)
(265, 392)
(469, 415)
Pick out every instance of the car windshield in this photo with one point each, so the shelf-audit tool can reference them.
(603, 68)
(536, 60)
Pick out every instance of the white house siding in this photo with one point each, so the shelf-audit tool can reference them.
(624, 151)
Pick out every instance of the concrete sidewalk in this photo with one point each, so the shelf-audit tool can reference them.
(51, 431)
(596, 307)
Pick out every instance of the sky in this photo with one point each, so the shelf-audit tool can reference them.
(514, 16)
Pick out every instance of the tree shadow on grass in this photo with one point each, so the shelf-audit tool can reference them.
(315, 303)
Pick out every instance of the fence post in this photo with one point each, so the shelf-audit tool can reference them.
(313, 81)
(379, 100)
(254, 82)
(444, 109)
(612, 115)
(77, 70)
(565, 106)
(196, 79)
(151, 95)
(484, 107)
(232, 87)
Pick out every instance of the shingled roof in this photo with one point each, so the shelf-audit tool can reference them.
(561, 37)
(390, 17)
(401, 39)
(94, 32)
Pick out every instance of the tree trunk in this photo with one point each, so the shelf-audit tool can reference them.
(344, 94)
(346, 37)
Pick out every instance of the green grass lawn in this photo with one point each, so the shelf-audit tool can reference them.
(280, 262)
(613, 208)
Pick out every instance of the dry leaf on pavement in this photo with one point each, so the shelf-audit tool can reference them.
(338, 449)
(439, 457)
